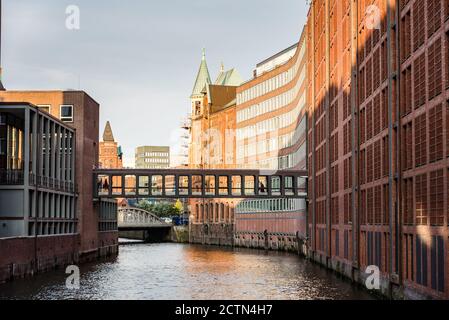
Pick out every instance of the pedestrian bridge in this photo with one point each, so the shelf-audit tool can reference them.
(138, 224)
(199, 183)
(129, 218)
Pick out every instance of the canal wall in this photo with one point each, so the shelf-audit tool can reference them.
(390, 286)
(26, 256)
(180, 234)
(218, 234)
(271, 241)
(21, 257)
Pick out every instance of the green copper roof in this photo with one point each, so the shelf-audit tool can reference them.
(229, 78)
(203, 77)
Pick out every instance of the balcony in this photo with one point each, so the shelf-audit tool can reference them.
(11, 177)
(16, 178)
(52, 184)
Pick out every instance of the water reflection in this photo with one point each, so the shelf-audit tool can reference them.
(172, 271)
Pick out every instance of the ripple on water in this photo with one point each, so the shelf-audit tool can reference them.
(172, 271)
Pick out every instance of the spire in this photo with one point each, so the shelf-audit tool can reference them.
(203, 77)
(107, 135)
(222, 69)
(2, 88)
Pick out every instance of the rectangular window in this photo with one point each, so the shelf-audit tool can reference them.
(421, 261)
(378, 205)
(44, 107)
(405, 36)
(363, 208)
(362, 126)
(421, 200)
(436, 133)
(377, 156)
(66, 113)
(335, 211)
(369, 164)
(408, 202)
(370, 205)
(419, 31)
(435, 77)
(420, 140)
(369, 121)
(433, 16)
(386, 204)
(385, 156)
(446, 50)
(436, 211)
(437, 263)
(446, 9)
(420, 80)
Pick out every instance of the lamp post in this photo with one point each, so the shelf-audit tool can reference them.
(191, 217)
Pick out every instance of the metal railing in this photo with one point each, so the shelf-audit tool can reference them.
(11, 177)
(129, 217)
(52, 184)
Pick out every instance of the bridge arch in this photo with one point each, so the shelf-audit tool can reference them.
(130, 218)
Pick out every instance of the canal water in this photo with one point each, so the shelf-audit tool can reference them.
(186, 272)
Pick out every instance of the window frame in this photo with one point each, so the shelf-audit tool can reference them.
(44, 107)
(66, 119)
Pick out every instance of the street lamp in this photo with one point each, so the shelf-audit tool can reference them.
(191, 217)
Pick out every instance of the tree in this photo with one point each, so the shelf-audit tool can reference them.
(161, 209)
(179, 206)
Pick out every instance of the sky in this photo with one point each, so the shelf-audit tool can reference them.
(139, 58)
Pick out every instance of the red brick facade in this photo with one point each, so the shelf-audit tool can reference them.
(91, 242)
(378, 141)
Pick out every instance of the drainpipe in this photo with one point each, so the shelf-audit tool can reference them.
(37, 147)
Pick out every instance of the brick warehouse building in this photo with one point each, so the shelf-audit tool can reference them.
(213, 147)
(95, 226)
(378, 141)
(271, 135)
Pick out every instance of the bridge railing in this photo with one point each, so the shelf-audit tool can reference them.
(188, 183)
(134, 217)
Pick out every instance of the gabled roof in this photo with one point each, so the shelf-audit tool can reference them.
(229, 78)
(203, 77)
(107, 134)
(220, 97)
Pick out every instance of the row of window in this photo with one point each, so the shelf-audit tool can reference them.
(271, 205)
(65, 111)
(272, 144)
(278, 163)
(274, 103)
(156, 160)
(273, 83)
(270, 125)
(154, 154)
